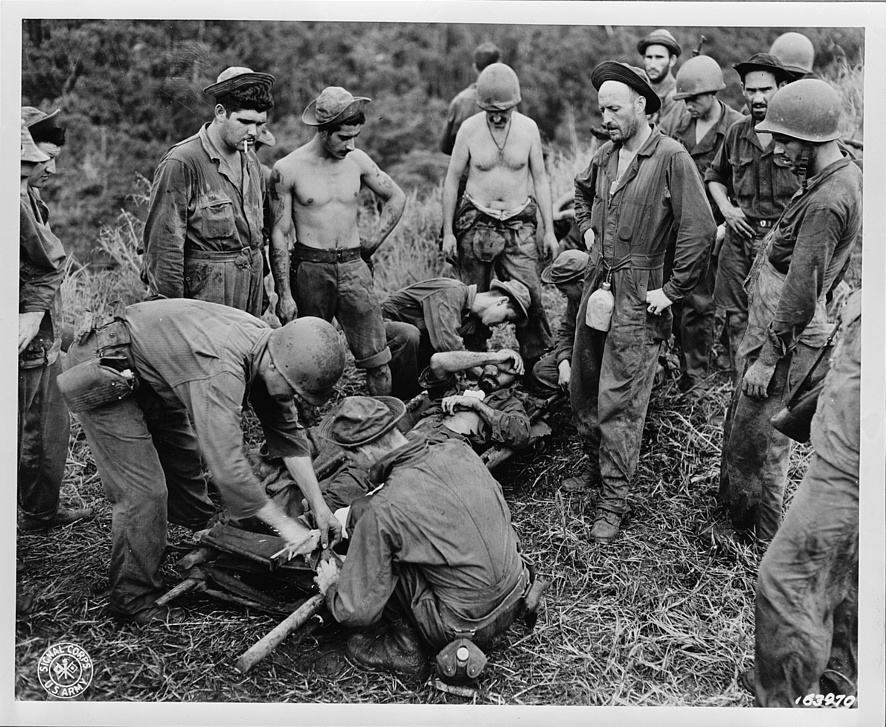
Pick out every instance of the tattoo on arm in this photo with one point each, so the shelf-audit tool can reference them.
(394, 200)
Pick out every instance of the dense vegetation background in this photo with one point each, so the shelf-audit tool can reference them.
(130, 89)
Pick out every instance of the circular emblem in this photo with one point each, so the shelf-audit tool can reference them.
(65, 670)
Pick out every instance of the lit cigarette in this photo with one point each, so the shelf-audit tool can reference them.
(245, 146)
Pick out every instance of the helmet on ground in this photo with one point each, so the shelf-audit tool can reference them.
(795, 51)
(660, 37)
(308, 354)
(701, 74)
(497, 88)
(808, 109)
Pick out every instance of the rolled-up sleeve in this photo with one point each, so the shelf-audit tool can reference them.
(284, 434)
(566, 333)
(695, 227)
(510, 423)
(720, 170)
(166, 229)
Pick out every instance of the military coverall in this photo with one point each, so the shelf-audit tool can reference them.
(197, 364)
(807, 590)
(546, 373)
(43, 422)
(203, 233)
(659, 195)
(421, 319)
(805, 257)
(504, 247)
(756, 182)
(438, 537)
(695, 316)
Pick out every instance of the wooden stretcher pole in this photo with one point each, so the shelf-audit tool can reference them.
(274, 638)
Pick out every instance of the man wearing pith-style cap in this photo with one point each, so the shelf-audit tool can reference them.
(203, 234)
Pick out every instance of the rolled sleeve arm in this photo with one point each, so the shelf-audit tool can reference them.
(566, 334)
(585, 184)
(41, 268)
(166, 229)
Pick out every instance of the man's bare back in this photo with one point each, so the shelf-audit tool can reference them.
(499, 177)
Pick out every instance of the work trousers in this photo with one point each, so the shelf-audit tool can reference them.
(148, 458)
(235, 279)
(694, 318)
(411, 352)
(733, 265)
(43, 431)
(755, 456)
(807, 593)
(344, 291)
(438, 623)
(488, 249)
(612, 377)
(545, 376)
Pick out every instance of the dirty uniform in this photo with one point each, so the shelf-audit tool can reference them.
(503, 243)
(196, 363)
(337, 283)
(807, 590)
(421, 319)
(695, 317)
(659, 197)
(546, 373)
(438, 537)
(804, 258)
(203, 233)
(756, 182)
(43, 422)
(461, 108)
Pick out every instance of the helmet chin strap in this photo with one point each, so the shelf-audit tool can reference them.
(807, 157)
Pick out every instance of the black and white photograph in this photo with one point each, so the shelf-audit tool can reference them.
(446, 363)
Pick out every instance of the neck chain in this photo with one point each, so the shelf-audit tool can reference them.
(501, 148)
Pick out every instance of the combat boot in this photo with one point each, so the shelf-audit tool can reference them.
(394, 647)
(606, 526)
(587, 480)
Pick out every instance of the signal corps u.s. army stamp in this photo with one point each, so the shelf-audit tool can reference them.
(65, 670)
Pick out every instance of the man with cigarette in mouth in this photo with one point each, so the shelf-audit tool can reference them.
(203, 234)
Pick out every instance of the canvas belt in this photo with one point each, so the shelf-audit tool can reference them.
(216, 256)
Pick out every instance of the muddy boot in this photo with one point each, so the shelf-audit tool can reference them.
(62, 517)
(395, 647)
(583, 482)
(606, 526)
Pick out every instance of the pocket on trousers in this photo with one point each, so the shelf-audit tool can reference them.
(196, 277)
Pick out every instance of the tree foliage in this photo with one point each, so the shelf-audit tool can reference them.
(130, 89)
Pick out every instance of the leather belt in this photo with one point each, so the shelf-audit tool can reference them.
(765, 224)
(319, 255)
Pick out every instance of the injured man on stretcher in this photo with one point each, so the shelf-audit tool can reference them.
(469, 396)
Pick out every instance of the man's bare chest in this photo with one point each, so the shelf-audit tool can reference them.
(317, 187)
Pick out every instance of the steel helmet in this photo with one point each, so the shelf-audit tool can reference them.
(808, 109)
(309, 356)
(701, 74)
(497, 88)
(795, 51)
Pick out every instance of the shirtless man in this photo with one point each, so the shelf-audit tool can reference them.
(315, 190)
(493, 225)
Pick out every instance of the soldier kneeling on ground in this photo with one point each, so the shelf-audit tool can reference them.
(433, 556)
